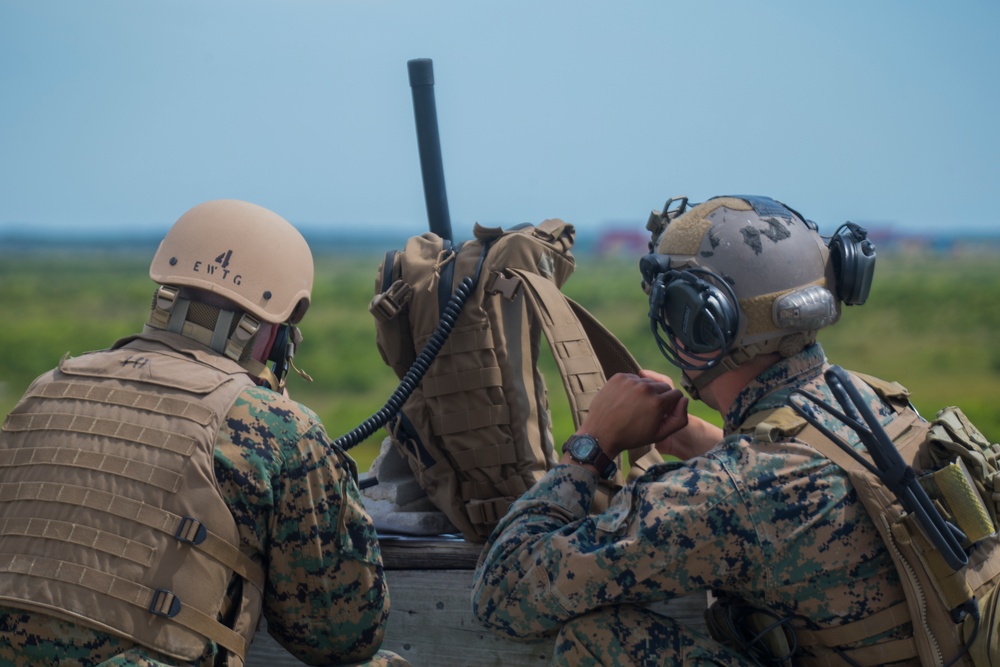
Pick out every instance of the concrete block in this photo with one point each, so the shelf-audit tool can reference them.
(397, 503)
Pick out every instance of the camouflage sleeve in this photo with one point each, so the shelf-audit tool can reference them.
(548, 561)
(325, 599)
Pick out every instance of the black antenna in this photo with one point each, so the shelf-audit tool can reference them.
(429, 143)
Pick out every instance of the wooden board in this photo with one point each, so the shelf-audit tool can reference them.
(431, 623)
(428, 553)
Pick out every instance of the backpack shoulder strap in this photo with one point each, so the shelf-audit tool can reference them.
(612, 355)
(576, 358)
(577, 339)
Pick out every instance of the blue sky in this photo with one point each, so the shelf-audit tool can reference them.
(122, 114)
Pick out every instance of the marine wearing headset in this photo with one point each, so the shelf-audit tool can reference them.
(738, 287)
(158, 496)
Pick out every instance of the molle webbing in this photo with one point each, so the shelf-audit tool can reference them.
(99, 426)
(159, 601)
(109, 509)
(477, 378)
(841, 635)
(470, 420)
(184, 528)
(449, 383)
(163, 405)
(488, 455)
(167, 480)
(893, 651)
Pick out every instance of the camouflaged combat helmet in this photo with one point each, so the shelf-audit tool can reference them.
(735, 277)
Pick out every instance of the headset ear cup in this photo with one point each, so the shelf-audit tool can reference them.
(725, 316)
(700, 315)
(853, 259)
(843, 267)
(681, 305)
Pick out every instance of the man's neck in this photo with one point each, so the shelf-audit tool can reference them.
(721, 392)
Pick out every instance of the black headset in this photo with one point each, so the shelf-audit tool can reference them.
(853, 257)
(280, 353)
(699, 313)
(692, 306)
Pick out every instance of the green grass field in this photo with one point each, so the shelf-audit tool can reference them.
(930, 323)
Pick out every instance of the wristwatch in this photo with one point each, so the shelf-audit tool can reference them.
(584, 449)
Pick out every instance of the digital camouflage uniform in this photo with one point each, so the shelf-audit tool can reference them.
(298, 510)
(776, 524)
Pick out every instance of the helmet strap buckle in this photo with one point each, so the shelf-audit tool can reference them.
(244, 332)
(168, 306)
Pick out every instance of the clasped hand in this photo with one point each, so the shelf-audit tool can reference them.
(636, 410)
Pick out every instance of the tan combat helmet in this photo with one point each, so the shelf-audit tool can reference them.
(245, 254)
(735, 277)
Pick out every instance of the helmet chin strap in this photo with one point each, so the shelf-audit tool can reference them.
(786, 347)
(693, 386)
(730, 362)
(689, 386)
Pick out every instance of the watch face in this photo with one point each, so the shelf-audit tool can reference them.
(584, 448)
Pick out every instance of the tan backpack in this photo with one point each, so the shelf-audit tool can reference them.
(476, 430)
(952, 606)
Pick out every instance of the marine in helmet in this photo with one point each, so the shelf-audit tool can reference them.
(158, 497)
(738, 288)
